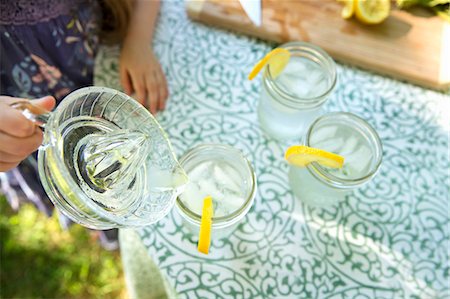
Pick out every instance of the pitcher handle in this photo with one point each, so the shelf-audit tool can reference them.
(36, 114)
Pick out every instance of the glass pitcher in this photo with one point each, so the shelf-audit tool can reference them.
(105, 162)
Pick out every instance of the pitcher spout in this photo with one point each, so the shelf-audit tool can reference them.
(161, 180)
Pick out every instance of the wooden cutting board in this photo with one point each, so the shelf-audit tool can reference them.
(413, 45)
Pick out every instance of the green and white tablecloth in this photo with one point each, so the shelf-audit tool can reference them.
(389, 239)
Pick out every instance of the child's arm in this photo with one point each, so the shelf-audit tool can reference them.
(140, 71)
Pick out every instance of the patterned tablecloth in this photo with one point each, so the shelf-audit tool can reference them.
(389, 239)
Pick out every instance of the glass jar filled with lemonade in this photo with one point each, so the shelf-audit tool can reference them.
(292, 97)
(348, 136)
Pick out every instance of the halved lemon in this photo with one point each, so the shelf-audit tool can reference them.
(349, 8)
(204, 238)
(301, 155)
(372, 11)
(277, 59)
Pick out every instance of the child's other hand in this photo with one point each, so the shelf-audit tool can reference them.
(140, 72)
(19, 136)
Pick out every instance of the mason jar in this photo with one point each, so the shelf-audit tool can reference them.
(344, 134)
(225, 174)
(292, 100)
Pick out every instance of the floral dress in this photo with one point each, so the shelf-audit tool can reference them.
(47, 47)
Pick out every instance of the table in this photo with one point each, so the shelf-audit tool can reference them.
(390, 239)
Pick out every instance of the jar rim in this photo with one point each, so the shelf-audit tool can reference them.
(321, 55)
(319, 171)
(242, 210)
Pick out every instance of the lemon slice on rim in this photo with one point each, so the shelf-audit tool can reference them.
(277, 59)
(204, 237)
(348, 9)
(372, 11)
(301, 155)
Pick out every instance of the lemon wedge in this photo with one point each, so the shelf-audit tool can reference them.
(277, 59)
(301, 155)
(349, 8)
(372, 11)
(204, 238)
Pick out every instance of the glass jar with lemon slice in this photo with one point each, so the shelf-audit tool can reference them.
(350, 155)
(224, 174)
(297, 79)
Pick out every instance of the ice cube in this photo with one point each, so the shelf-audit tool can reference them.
(232, 202)
(360, 160)
(296, 65)
(331, 145)
(349, 146)
(301, 89)
(218, 180)
(219, 209)
(294, 85)
(314, 77)
(227, 176)
(201, 170)
(320, 88)
(210, 187)
(323, 133)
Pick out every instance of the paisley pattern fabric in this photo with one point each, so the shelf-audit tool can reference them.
(389, 239)
(52, 51)
(20, 12)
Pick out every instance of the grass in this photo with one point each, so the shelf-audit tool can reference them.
(40, 260)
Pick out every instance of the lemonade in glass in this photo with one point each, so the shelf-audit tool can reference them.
(222, 172)
(349, 136)
(292, 99)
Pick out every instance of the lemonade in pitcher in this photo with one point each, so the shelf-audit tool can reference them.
(105, 161)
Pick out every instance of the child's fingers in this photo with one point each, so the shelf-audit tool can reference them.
(14, 122)
(48, 102)
(125, 81)
(9, 158)
(7, 166)
(163, 92)
(139, 88)
(152, 92)
(19, 136)
(20, 146)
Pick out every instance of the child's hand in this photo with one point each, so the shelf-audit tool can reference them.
(19, 136)
(140, 72)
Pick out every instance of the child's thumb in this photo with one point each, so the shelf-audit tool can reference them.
(47, 102)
